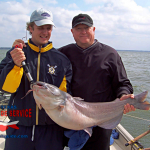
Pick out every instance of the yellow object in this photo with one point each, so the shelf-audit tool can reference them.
(41, 50)
(13, 80)
(63, 85)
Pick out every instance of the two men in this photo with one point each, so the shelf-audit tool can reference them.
(98, 74)
(45, 64)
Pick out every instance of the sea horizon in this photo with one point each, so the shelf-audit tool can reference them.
(6, 48)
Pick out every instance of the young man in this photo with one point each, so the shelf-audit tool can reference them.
(98, 74)
(45, 64)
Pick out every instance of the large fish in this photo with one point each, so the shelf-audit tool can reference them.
(74, 113)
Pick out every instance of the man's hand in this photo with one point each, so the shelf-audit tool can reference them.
(17, 42)
(128, 107)
(18, 55)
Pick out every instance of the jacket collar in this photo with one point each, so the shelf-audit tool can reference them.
(44, 48)
(88, 48)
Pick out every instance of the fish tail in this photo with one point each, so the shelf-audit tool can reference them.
(140, 103)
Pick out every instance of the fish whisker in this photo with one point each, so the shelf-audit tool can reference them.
(27, 93)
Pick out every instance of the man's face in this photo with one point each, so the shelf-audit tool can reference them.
(40, 34)
(83, 35)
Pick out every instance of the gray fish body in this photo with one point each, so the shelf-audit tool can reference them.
(74, 113)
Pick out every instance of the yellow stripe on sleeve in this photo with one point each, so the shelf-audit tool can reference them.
(63, 85)
(13, 80)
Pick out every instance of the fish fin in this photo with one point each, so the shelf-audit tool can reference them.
(61, 108)
(141, 97)
(78, 98)
(39, 105)
(140, 103)
(146, 105)
(110, 124)
(89, 131)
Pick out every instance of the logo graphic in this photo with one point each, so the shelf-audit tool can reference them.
(5, 125)
(51, 69)
(81, 18)
(45, 14)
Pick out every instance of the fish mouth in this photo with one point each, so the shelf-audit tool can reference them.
(41, 84)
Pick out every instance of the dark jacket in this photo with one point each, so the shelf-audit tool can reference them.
(45, 64)
(98, 76)
(98, 72)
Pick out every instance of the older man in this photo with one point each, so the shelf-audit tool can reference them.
(98, 74)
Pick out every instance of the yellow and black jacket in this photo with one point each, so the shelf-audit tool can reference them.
(45, 64)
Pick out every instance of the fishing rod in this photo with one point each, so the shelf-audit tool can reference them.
(137, 138)
(26, 69)
(24, 65)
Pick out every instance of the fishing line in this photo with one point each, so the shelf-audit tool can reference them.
(137, 117)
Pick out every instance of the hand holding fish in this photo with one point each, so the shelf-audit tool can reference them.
(18, 55)
(128, 107)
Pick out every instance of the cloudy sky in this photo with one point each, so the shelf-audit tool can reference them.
(122, 24)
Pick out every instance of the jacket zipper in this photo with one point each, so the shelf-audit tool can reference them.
(38, 73)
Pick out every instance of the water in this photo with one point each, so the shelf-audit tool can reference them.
(3, 53)
(137, 65)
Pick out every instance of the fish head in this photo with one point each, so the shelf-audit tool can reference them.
(46, 88)
(47, 95)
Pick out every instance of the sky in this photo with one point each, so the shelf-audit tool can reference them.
(121, 24)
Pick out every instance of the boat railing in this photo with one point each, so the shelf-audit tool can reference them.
(133, 141)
